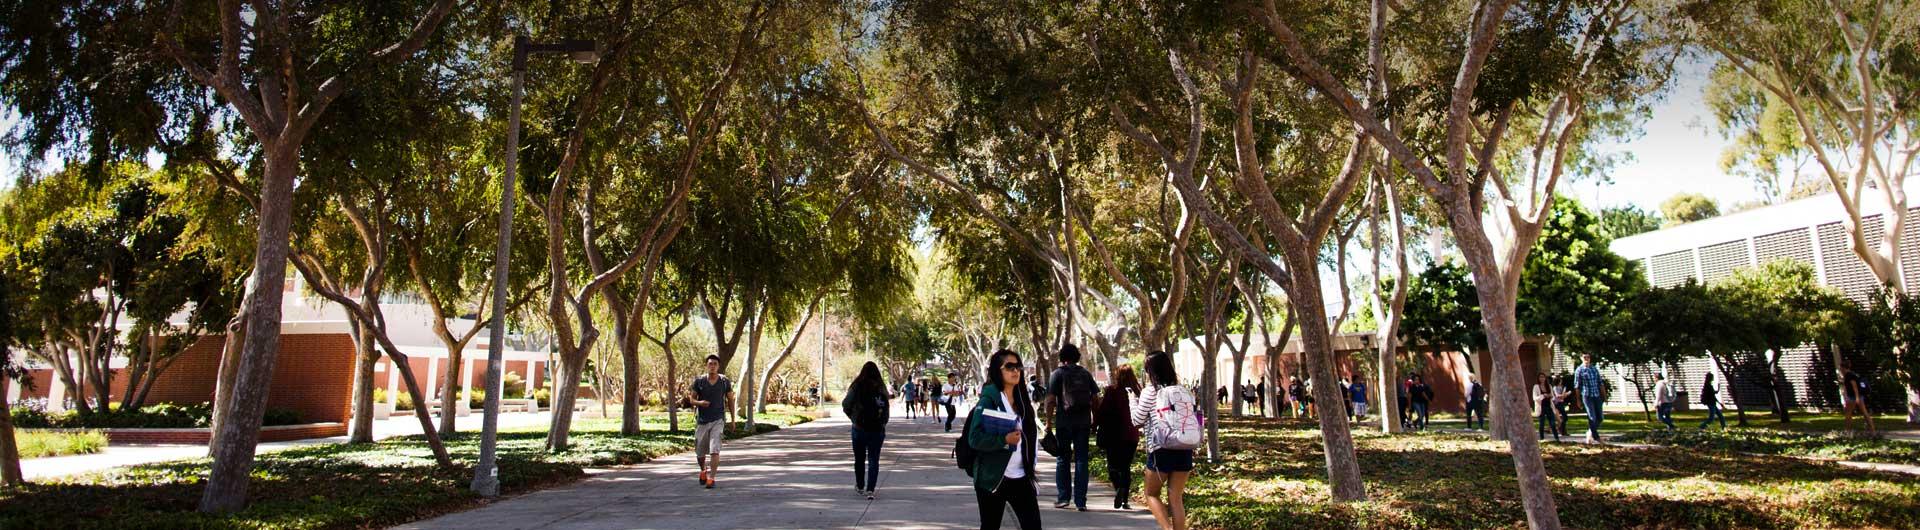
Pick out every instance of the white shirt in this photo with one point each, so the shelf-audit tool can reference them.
(1016, 466)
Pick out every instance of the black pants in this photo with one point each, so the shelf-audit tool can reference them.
(949, 405)
(1120, 470)
(1015, 492)
(866, 458)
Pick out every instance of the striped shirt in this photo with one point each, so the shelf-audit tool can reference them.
(1588, 378)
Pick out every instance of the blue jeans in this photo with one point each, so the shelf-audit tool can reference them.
(1547, 423)
(1071, 480)
(1419, 416)
(1477, 408)
(866, 458)
(1713, 412)
(1592, 404)
(1665, 413)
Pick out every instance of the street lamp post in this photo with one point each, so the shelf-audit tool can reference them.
(486, 475)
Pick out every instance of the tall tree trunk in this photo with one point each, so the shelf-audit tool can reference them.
(673, 393)
(786, 351)
(450, 389)
(630, 401)
(1503, 338)
(224, 379)
(1343, 467)
(566, 390)
(10, 475)
(227, 477)
(364, 359)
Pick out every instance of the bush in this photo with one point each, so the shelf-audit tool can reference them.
(39, 444)
(543, 398)
(30, 417)
(404, 402)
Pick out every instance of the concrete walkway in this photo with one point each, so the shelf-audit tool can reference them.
(796, 478)
(135, 454)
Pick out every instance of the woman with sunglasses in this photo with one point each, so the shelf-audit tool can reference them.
(1003, 467)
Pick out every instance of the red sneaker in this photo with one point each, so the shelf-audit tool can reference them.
(703, 477)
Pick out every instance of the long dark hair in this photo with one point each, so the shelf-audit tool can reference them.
(1159, 368)
(869, 380)
(993, 366)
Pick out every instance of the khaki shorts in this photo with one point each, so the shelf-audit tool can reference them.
(707, 437)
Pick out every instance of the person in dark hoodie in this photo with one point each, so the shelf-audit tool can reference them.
(1003, 466)
(866, 405)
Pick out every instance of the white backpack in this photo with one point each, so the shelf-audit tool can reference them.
(1179, 424)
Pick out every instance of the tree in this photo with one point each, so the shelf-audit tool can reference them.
(1572, 276)
(1563, 67)
(268, 93)
(1767, 145)
(1659, 327)
(10, 374)
(1629, 220)
(1443, 310)
(1684, 208)
(1779, 305)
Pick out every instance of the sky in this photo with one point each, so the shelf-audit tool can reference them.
(1678, 151)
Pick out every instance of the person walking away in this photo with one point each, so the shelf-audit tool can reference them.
(1406, 404)
(712, 396)
(1002, 438)
(1422, 397)
(1710, 398)
(1172, 423)
(1663, 398)
(1593, 395)
(1476, 402)
(1853, 398)
(1346, 398)
(1295, 391)
(865, 404)
(930, 395)
(1071, 392)
(1116, 434)
(1260, 395)
(908, 393)
(1358, 391)
(950, 396)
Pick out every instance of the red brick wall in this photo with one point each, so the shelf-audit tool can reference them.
(200, 436)
(313, 377)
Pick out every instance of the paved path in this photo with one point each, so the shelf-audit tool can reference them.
(796, 478)
(118, 455)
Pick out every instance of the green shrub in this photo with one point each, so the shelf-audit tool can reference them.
(476, 399)
(543, 398)
(25, 417)
(38, 444)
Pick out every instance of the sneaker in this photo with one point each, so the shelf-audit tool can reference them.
(703, 477)
(1062, 504)
(869, 494)
(1082, 508)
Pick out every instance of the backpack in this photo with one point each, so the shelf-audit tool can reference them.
(963, 453)
(1177, 419)
(1076, 391)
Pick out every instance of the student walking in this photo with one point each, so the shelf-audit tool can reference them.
(1297, 392)
(1561, 391)
(1406, 405)
(1710, 398)
(1116, 434)
(1171, 419)
(1593, 395)
(1421, 396)
(712, 396)
(950, 395)
(1003, 462)
(908, 394)
(1476, 402)
(1543, 402)
(1853, 398)
(1071, 392)
(866, 406)
(1359, 396)
(1663, 398)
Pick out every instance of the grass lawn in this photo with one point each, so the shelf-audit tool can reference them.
(1619, 421)
(1273, 476)
(339, 485)
(34, 443)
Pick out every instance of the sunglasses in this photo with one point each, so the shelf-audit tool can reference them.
(1010, 366)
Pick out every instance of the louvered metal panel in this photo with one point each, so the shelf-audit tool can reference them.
(1792, 244)
(1719, 260)
(1910, 250)
(1670, 269)
(1844, 270)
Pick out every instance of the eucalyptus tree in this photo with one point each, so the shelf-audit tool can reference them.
(691, 95)
(1388, 299)
(1842, 73)
(1498, 92)
(1160, 107)
(10, 475)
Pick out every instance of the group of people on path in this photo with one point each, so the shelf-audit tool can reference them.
(1000, 437)
(928, 396)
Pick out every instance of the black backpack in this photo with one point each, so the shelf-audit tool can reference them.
(963, 453)
(1076, 392)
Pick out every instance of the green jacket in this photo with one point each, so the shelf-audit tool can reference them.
(993, 453)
